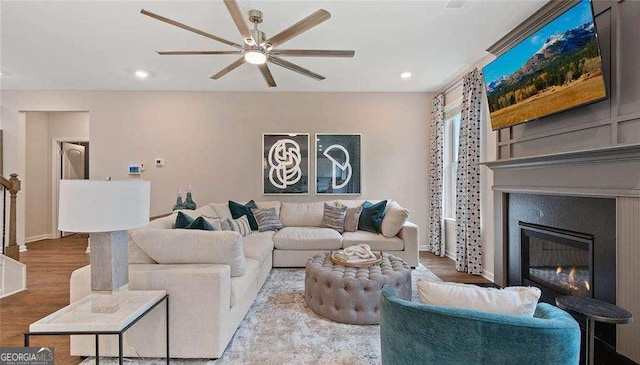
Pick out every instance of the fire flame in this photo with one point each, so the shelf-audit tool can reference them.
(586, 284)
(572, 272)
(559, 270)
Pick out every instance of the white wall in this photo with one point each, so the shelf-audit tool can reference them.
(41, 128)
(36, 183)
(213, 140)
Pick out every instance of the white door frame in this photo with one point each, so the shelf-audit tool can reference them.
(56, 159)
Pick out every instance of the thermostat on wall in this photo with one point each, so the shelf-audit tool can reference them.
(159, 162)
(134, 169)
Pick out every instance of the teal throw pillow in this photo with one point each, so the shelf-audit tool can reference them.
(200, 223)
(183, 220)
(371, 216)
(238, 210)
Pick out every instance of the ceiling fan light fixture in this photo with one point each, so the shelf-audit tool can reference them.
(255, 57)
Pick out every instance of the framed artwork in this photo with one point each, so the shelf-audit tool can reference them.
(338, 164)
(285, 163)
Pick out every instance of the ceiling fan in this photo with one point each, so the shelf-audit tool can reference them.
(257, 49)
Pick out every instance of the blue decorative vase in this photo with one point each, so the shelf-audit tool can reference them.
(179, 204)
(189, 203)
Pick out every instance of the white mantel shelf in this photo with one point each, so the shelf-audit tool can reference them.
(617, 153)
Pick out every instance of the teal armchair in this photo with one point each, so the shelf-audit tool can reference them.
(416, 333)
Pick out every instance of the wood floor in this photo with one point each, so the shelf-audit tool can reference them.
(49, 267)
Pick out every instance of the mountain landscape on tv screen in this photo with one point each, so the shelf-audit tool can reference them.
(565, 72)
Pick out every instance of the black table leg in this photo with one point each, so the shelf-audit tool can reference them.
(97, 350)
(167, 306)
(26, 340)
(120, 348)
(589, 350)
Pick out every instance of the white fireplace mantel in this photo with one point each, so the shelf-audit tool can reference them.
(612, 172)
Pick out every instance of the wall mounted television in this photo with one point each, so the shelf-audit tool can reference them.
(554, 69)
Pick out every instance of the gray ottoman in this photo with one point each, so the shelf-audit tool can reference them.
(352, 295)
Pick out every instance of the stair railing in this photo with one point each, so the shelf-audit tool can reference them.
(13, 186)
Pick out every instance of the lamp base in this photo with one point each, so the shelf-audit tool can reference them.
(109, 260)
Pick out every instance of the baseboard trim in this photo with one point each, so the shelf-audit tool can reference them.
(487, 275)
(39, 238)
(450, 254)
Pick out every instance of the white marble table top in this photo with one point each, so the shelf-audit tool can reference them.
(100, 312)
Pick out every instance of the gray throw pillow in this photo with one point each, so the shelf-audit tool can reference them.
(267, 219)
(333, 216)
(352, 218)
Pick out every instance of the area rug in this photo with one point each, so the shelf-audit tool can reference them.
(280, 329)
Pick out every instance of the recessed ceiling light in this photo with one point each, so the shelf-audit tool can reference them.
(141, 74)
(406, 75)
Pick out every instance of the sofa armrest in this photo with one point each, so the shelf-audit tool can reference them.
(409, 234)
(184, 246)
(200, 297)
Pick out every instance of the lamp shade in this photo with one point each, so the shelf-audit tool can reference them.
(103, 206)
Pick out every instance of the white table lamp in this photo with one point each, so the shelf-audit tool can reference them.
(105, 209)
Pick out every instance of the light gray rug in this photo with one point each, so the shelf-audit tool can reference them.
(280, 329)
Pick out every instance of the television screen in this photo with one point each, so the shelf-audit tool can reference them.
(556, 68)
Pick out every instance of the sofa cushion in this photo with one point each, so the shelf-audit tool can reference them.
(241, 284)
(352, 218)
(267, 219)
(221, 210)
(333, 216)
(515, 300)
(371, 216)
(178, 246)
(301, 215)
(377, 242)
(307, 238)
(258, 245)
(394, 218)
(238, 210)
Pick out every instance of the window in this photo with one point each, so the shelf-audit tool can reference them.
(450, 158)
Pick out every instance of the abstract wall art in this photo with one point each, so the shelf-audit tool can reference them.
(338, 164)
(285, 163)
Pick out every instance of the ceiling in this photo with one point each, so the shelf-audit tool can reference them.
(97, 45)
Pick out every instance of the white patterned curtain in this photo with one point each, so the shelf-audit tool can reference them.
(436, 244)
(468, 242)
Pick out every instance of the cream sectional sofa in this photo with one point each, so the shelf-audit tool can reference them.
(213, 277)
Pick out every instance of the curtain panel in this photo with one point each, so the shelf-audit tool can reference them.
(468, 240)
(435, 241)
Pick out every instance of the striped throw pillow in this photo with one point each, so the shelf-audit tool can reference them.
(267, 219)
(352, 218)
(333, 216)
(240, 225)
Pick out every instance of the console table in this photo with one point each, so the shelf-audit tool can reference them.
(594, 310)
(104, 313)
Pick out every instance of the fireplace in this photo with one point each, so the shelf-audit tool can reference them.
(558, 261)
(564, 245)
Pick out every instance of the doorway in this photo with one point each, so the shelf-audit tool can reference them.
(73, 164)
(41, 134)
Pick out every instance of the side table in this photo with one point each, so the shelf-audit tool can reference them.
(594, 310)
(103, 313)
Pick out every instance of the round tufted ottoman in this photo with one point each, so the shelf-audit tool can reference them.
(350, 294)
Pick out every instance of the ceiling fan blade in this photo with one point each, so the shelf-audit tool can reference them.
(229, 68)
(191, 29)
(293, 67)
(312, 53)
(186, 53)
(236, 15)
(298, 28)
(266, 73)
